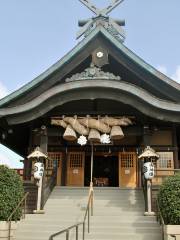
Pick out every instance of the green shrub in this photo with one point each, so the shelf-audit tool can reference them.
(11, 192)
(169, 200)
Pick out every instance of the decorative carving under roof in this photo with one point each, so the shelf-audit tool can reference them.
(112, 26)
(92, 73)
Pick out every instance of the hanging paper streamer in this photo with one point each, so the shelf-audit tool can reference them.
(105, 139)
(82, 140)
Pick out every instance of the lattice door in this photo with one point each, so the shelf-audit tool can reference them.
(55, 158)
(75, 169)
(127, 169)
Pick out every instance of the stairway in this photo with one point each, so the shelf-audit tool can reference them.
(118, 214)
(64, 208)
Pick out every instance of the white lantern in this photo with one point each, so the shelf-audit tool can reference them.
(38, 170)
(148, 170)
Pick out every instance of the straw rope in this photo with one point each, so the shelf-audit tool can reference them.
(95, 124)
(76, 125)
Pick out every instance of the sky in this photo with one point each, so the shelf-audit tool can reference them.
(34, 34)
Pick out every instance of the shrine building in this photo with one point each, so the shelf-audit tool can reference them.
(99, 100)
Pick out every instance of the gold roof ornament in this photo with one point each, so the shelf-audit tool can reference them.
(148, 153)
(37, 153)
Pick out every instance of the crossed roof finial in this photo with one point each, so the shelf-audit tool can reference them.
(113, 26)
(104, 11)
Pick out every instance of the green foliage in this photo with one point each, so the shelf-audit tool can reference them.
(11, 192)
(169, 200)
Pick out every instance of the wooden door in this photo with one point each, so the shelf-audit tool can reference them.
(127, 169)
(57, 157)
(75, 169)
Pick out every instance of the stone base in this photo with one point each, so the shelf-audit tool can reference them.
(149, 214)
(38, 211)
(4, 230)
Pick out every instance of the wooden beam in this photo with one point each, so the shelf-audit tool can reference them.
(176, 160)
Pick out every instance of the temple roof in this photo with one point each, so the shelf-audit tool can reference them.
(165, 92)
(139, 61)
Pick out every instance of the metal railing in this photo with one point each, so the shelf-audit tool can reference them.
(21, 205)
(48, 187)
(160, 218)
(88, 212)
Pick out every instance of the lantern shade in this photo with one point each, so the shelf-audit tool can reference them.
(37, 153)
(69, 134)
(148, 153)
(116, 133)
(94, 136)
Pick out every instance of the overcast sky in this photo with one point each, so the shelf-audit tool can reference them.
(37, 33)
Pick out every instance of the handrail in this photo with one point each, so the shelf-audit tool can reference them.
(160, 218)
(76, 226)
(48, 187)
(24, 198)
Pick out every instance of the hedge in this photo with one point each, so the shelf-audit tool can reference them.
(11, 192)
(169, 200)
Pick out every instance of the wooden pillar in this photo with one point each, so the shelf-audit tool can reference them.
(146, 136)
(44, 148)
(146, 140)
(27, 169)
(64, 167)
(44, 140)
(28, 162)
(174, 137)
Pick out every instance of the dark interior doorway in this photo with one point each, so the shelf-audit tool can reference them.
(105, 171)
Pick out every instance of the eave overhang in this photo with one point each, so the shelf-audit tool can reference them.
(93, 89)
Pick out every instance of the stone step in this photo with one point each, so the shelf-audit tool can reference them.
(126, 236)
(24, 235)
(125, 218)
(118, 214)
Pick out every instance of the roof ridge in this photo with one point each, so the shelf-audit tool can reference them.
(100, 29)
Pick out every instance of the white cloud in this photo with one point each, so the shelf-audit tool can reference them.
(3, 91)
(176, 75)
(162, 69)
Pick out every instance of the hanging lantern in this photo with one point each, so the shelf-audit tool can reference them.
(116, 133)
(69, 134)
(94, 136)
(105, 139)
(82, 140)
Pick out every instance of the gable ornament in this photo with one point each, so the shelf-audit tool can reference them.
(93, 73)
